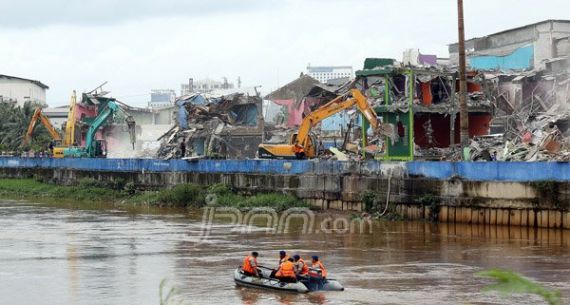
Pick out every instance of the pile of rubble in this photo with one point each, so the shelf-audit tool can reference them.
(545, 137)
(228, 126)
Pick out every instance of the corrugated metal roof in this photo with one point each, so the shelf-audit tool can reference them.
(37, 82)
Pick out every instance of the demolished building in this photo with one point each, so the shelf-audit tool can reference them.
(229, 126)
(527, 71)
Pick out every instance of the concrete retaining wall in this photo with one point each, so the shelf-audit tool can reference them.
(499, 193)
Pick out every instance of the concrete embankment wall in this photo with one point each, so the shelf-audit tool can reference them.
(498, 193)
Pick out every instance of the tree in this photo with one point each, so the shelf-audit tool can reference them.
(14, 121)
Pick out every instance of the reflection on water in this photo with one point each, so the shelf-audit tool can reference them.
(68, 256)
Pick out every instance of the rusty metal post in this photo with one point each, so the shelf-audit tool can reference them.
(463, 112)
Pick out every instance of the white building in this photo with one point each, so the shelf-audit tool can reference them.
(20, 90)
(57, 115)
(326, 73)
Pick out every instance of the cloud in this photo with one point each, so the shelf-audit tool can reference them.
(38, 13)
(139, 45)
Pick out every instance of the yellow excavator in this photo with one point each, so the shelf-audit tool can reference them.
(69, 136)
(38, 115)
(302, 144)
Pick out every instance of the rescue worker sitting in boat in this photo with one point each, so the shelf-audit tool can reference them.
(283, 257)
(317, 268)
(250, 266)
(301, 268)
(286, 272)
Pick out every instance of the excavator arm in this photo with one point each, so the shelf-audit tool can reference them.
(303, 140)
(90, 149)
(38, 115)
(333, 107)
(69, 138)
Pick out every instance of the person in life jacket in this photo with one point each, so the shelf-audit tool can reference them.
(301, 268)
(249, 266)
(283, 257)
(286, 272)
(317, 268)
(299, 151)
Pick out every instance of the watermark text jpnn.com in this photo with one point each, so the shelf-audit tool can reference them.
(268, 220)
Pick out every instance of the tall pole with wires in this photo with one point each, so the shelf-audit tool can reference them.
(463, 112)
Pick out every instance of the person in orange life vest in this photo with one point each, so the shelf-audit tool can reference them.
(249, 266)
(301, 268)
(286, 272)
(318, 268)
(283, 257)
(299, 151)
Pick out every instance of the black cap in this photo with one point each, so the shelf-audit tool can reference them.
(254, 253)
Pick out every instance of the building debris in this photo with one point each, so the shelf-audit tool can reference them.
(229, 126)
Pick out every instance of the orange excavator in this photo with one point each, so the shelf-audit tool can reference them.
(38, 115)
(302, 144)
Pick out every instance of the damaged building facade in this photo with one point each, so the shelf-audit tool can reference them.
(420, 102)
(517, 96)
(526, 69)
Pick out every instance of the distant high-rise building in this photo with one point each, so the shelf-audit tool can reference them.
(326, 73)
(161, 98)
(205, 86)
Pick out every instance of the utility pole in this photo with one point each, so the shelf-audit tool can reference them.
(463, 114)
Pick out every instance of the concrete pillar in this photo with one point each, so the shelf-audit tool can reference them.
(467, 215)
(532, 218)
(474, 215)
(515, 217)
(542, 219)
(451, 215)
(487, 216)
(493, 217)
(506, 216)
(443, 212)
(566, 222)
(524, 218)
(555, 219)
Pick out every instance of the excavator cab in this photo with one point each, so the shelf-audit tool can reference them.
(287, 151)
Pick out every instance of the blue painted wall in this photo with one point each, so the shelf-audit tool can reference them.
(475, 171)
(521, 59)
(334, 122)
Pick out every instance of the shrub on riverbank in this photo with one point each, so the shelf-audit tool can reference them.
(183, 195)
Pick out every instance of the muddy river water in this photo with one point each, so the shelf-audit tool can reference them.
(58, 255)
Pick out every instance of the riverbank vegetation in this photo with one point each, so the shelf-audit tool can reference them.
(14, 121)
(119, 192)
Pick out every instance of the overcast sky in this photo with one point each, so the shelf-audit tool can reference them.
(141, 45)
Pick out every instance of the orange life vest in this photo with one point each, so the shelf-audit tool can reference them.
(287, 269)
(247, 267)
(305, 269)
(319, 265)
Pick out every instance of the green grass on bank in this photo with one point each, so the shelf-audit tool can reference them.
(118, 192)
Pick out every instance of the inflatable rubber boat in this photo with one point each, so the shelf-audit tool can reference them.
(303, 285)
